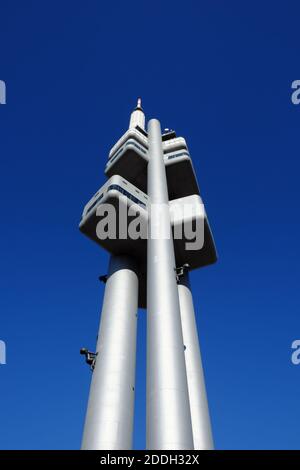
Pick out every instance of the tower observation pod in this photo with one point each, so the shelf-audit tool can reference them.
(150, 218)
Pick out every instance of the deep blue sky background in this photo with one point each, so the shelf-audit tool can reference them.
(219, 73)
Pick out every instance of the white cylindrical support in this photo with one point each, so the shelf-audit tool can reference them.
(109, 419)
(168, 410)
(196, 384)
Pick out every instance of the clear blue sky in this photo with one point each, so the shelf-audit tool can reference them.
(217, 72)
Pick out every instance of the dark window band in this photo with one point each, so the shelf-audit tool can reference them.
(126, 193)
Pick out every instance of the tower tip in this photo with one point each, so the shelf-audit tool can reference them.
(139, 103)
(137, 117)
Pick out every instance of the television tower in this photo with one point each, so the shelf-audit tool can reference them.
(150, 171)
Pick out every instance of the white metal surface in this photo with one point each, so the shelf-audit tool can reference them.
(109, 418)
(172, 145)
(168, 411)
(131, 133)
(102, 195)
(202, 433)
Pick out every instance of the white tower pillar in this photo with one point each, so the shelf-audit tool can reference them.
(168, 410)
(109, 418)
(137, 117)
(196, 384)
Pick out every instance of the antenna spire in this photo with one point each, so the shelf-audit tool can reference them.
(137, 117)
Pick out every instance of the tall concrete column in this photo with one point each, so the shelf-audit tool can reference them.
(168, 410)
(196, 384)
(109, 418)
